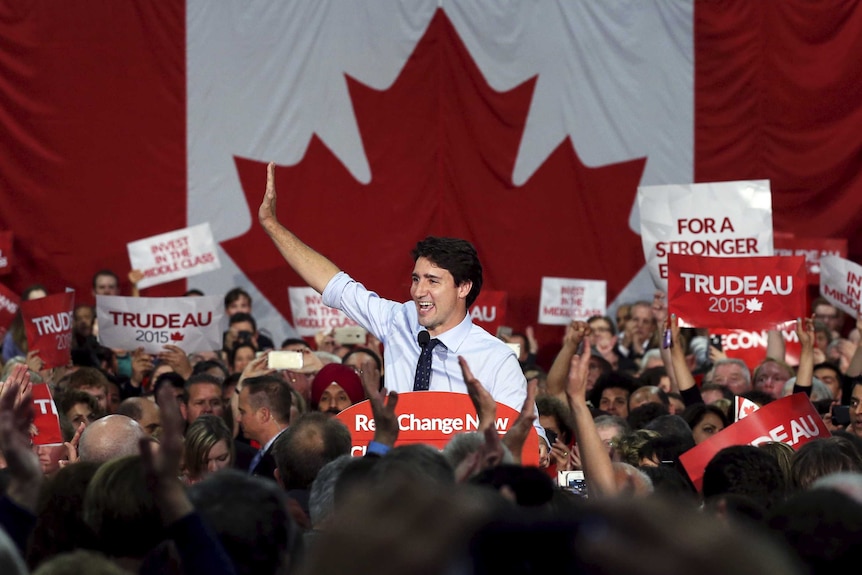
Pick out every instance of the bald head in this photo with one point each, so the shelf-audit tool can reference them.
(110, 437)
(143, 410)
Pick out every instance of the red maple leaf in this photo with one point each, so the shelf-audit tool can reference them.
(441, 145)
(177, 336)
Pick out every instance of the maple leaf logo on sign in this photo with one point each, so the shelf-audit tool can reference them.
(753, 304)
(177, 336)
(469, 168)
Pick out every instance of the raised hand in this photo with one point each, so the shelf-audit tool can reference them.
(518, 432)
(383, 405)
(266, 212)
(175, 357)
(486, 407)
(16, 421)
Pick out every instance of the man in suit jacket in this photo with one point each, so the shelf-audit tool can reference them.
(264, 412)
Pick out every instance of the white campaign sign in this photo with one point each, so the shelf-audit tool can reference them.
(174, 255)
(720, 219)
(310, 315)
(565, 300)
(191, 323)
(841, 283)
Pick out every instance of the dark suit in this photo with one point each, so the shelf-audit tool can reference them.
(266, 467)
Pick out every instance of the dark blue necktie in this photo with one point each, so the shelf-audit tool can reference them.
(423, 367)
(255, 460)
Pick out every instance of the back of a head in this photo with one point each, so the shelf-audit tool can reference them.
(642, 415)
(110, 437)
(531, 486)
(821, 457)
(416, 462)
(60, 522)
(321, 501)
(630, 480)
(670, 424)
(823, 527)
(745, 470)
(250, 517)
(77, 562)
(311, 442)
(462, 444)
(120, 509)
(11, 562)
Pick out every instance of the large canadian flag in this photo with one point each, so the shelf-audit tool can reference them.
(523, 126)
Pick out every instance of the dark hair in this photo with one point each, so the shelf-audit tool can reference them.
(293, 340)
(611, 380)
(365, 350)
(694, 413)
(234, 295)
(105, 272)
(276, 392)
(550, 406)
(312, 441)
(745, 470)
(250, 516)
(197, 378)
(456, 256)
(242, 316)
(640, 416)
(606, 319)
(193, 292)
(231, 354)
(171, 378)
(208, 364)
(25, 295)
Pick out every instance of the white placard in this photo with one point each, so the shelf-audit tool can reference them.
(310, 315)
(174, 255)
(841, 283)
(719, 219)
(191, 323)
(565, 300)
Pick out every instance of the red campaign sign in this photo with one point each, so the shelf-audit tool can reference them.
(812, 249)
(45, 417)
(736, 293)
(9, 302)
(432, 417)
(792, 420)
(750, 346)
(5, 253)
(489, 310)
(48, 324)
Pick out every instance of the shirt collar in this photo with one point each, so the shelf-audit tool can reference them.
(454, 337)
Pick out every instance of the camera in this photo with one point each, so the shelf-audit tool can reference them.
(573, 481)
(715, 341)
(841, 415)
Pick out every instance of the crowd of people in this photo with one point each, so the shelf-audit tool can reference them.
(213, 462)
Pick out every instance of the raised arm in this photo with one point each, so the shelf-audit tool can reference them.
(595, 460)
(559, 372)
(855, 367)
(659, 314)
(684, 379)
(312, 267)
(805, 371)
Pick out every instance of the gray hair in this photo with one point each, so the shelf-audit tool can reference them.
(746, 373)
(321, 501)
(464, 443)
(819, 390)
